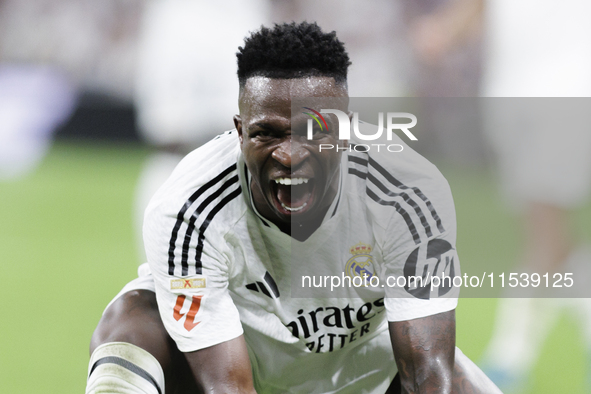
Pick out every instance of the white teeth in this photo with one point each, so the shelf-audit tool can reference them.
(291, 181)
(291, 209)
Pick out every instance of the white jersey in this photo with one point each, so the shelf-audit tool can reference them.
(221, 270)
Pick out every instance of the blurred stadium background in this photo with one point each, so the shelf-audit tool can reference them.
(67, 222)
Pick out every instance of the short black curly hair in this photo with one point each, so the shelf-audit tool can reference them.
(292, 50)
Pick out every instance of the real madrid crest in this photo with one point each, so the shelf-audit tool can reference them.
(361, 263)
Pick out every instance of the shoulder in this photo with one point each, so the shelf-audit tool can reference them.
(401, 188)
(394, 160)
(204, 186)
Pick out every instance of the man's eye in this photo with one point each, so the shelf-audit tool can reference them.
(261, 133)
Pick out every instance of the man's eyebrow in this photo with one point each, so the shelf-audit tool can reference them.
(262, 125)
(267, 126)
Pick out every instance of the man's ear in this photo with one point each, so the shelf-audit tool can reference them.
(238, 125)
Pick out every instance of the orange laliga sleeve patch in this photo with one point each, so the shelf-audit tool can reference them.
(191, 314)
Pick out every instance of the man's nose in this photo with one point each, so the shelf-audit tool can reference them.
(290, 153)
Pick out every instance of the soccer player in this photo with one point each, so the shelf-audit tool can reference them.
(215, 307)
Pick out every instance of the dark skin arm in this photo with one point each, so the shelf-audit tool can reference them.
(223, 368)
(424, 350)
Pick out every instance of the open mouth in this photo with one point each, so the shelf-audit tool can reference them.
(293, 194)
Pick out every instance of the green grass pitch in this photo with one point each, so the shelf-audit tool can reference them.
(67, 247)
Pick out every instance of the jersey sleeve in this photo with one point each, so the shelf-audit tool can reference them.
(412, 291)
(191, 274)
(419, 252)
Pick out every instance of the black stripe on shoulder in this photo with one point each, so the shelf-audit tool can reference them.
(406, 198)
(129, 366)
(205, 224)
(194, 217)
(390, 178)
(401, 211)
(185, 207)
(356, 172)
(363, 161)
(359, 160)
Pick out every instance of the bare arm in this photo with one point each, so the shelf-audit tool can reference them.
(223, 368)
(424, 351)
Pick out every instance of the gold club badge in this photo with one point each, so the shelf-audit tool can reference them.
(361, 263)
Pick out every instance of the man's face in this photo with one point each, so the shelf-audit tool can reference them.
(292, 180)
